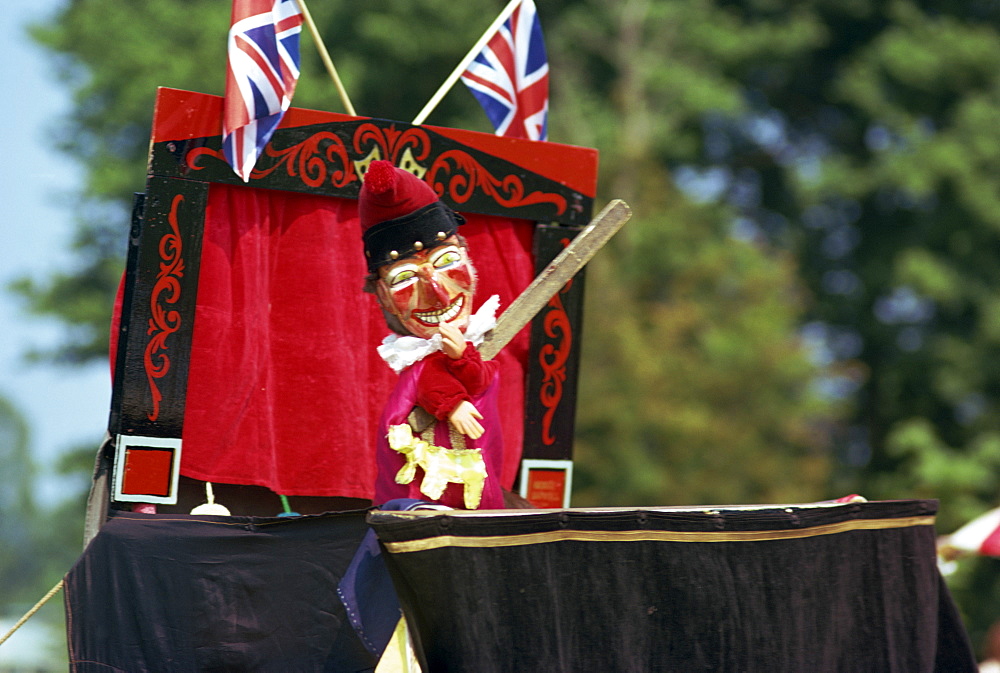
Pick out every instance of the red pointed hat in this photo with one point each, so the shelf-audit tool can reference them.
(400, 214)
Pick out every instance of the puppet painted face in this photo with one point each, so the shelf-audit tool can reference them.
(429, 288)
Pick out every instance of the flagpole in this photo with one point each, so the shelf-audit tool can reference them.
(325, 57)
(453, 77)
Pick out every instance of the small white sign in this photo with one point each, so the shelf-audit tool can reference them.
(547, 484)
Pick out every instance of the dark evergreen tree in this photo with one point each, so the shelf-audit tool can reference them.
(806, 302)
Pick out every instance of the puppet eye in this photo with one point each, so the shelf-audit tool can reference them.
(401, 275)
(447, 257)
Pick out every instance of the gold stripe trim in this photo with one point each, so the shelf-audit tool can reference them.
(653, 535)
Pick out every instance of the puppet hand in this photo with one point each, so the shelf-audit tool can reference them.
(452, 341)
(465, 418)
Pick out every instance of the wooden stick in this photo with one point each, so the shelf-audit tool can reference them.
(457, 72)
(325, 57)
(559, 271)
(534, 297)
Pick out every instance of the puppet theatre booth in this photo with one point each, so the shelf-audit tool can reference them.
(246, 375)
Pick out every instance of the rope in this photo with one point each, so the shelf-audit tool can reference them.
(31, 613)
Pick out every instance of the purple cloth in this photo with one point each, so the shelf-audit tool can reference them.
(366, 589)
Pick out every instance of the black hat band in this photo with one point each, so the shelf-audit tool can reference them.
(401, 237)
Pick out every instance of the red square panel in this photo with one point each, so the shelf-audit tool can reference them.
(147, 471)
(546, 488)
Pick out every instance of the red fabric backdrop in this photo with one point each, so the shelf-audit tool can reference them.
(285, 386)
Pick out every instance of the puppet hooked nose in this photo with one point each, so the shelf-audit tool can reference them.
(430, 284)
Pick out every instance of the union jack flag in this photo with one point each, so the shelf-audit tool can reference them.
(510, 77)
(260, 78)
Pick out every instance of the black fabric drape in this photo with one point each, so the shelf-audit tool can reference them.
(181, 593)
(799, 589)
(840, 589)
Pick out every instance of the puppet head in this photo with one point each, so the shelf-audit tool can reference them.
(422, 272)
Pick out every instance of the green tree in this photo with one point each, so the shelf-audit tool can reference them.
(18, 513)
(37, 546)
(885, 119)
(696, 386)
(392, 77)
(870, 146)
(857, 137)
(806, 302)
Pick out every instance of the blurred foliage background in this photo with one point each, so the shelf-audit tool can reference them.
(806, 303)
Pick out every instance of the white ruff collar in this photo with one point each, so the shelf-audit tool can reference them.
(399, 352)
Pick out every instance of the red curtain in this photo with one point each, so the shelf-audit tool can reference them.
(285, 386)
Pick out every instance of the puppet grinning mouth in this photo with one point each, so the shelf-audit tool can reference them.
(441, 315)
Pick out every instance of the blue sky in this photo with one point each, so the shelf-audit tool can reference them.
(65, 407)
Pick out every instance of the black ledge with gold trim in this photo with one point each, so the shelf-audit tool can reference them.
(806, 587)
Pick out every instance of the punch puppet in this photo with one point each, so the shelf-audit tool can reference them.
(420, 272)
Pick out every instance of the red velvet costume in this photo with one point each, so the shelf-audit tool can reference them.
(444, 382)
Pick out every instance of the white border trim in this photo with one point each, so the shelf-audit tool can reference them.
(566, 466)
(123, 443)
